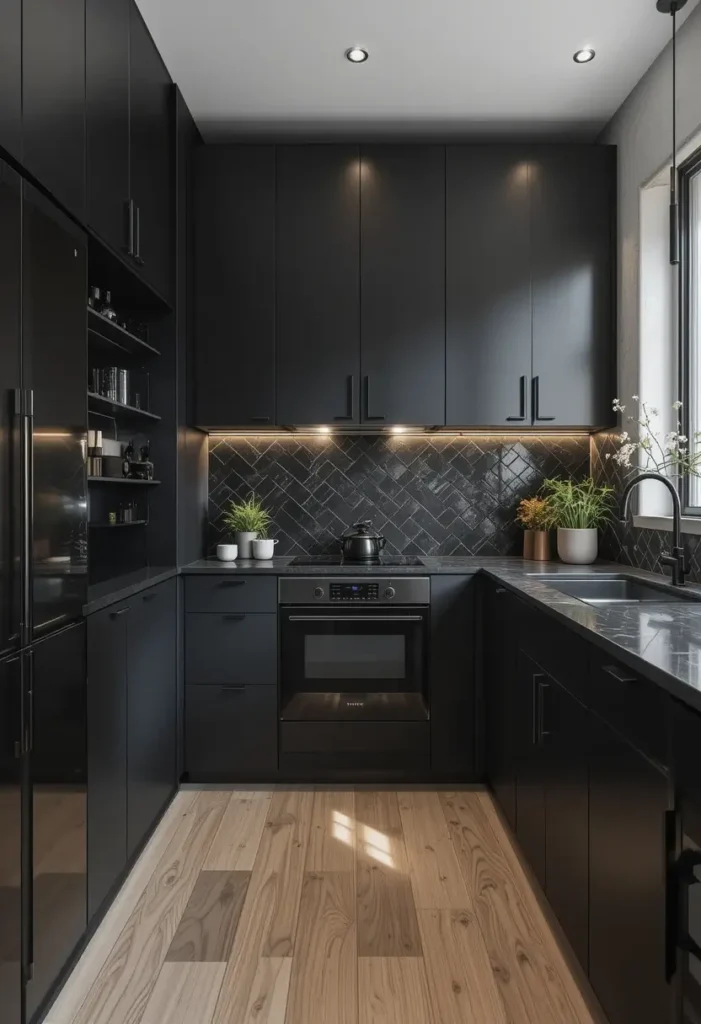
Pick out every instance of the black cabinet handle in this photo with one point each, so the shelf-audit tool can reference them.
(350, 398)
(500, 590)
(232, 689)
(543, 688)
(259, 419)
(367, 402)
(535, 402)
(129, 210)
(618, 674)
(672, 894)
(535, 722)
(523, 385)
(233, 618)
(232, 583)
(149, 597)
(122, 611)
(137, 242)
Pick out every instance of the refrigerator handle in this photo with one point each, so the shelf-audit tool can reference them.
(15, 554)
(27, 513)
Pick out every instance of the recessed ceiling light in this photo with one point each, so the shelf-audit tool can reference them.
(356, 55)
(584, 56)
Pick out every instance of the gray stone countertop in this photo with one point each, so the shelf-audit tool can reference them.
(661, 641)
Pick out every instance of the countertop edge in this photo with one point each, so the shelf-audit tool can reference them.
(125, 590)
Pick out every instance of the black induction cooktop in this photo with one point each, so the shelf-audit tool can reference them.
(385, 561)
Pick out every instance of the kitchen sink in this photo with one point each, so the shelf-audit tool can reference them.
(613, 589)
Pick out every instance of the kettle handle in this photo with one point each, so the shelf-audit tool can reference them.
(382, 542)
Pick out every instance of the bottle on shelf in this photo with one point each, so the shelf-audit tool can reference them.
(107, 310)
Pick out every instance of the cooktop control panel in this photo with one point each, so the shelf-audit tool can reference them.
(354, 592)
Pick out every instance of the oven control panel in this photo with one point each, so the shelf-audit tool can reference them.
(354, 592)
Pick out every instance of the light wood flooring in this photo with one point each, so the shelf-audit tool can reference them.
(325, 907)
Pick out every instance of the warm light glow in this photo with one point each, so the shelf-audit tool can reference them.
(398, 430)
(343, 828)
(584, 56)
(356, 55)
(324, 430)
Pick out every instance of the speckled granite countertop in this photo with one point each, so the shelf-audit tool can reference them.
(661, 641)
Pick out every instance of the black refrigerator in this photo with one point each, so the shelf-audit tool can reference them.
(43, 586)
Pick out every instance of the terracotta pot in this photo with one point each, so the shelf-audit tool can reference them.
(541, 546)
(528, 536)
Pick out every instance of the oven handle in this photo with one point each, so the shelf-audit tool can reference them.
(355, 618)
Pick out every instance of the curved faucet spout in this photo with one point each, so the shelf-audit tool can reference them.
(676, 560)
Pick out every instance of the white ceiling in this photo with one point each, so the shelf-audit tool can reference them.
(436, 66)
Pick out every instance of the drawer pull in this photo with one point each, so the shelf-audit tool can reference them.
(231, 689)
(233, 618)
(122, 611)
(619, 675)
(232, 583)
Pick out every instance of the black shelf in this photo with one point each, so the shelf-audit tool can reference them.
(117, 526)
(106, 403)
(122, 480)
(114, 336)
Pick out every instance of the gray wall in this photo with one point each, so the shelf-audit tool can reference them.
(641, 128)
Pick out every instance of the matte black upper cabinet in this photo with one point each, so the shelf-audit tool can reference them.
(530, 286)
(53, 77)
(402, 284)
(11, 77)
(151, 97)
(107, 119)
(488, 293)
(572, 195)
(235, 286)
(318, 285)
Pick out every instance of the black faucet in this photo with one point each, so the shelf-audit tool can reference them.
(676, 559)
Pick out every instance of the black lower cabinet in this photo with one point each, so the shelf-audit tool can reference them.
(230, 731)
(453, 713)
(107, 752)
(11, 846)
(530, 762)
(628, 803)
(151, 709)
(498, 657)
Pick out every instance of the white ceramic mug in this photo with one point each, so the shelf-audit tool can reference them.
(227, 552)
(263, 549)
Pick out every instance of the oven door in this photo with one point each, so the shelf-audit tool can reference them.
(352, 664)
(689, 936)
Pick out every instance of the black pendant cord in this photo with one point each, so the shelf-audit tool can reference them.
(673, 204)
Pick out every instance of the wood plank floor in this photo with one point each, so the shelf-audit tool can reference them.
(331, 906)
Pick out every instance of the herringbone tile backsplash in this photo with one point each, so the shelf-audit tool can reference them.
(428, 495)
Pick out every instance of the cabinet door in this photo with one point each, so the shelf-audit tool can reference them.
(107, 118)
(235, 286)
(231, 732)
(150, 157)
(151, 702)
(11, 846)
(452, 679)
(318, 284)
(488, 286)
(628, 800)
(107, 752)
(566, 727)
(53, 57)
(572, 189)
(11, 77)
(499, 674)
(531, 685)
(402, 284)
(58, 772)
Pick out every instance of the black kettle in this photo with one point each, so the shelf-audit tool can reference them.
(361, 544)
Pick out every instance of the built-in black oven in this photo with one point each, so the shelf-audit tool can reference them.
(354, 649)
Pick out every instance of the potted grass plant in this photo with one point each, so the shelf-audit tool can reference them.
(577, 509)
(248, 521)
(534, 516)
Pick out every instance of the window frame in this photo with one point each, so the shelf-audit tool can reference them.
(689, 169)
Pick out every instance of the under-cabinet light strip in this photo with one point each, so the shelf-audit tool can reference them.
(432, 434)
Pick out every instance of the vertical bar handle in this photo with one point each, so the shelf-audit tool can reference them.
(350, 398)
(522, 388)
(535, 403)
(367, 402)
(137, 232)
(543, 688)
(27, 513)
(129, 205)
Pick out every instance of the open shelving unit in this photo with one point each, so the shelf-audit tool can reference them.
(109, 334)
(99, 402)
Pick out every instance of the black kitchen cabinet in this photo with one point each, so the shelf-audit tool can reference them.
(107, 119)
(573, 280)
(318, 284)
(227, 649)
(529, 705)
(151, 704)
(452, 667)
(628, 803)
(402, 284)
(11, 77)
(498, 659)
(231, 732)
(235, 286)
(107, 752)
(151, 152)
(488, 289)
(53, 98)
(11, 831)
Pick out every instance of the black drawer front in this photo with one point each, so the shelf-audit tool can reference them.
(230, 731)
(356, 745)
(633, 706)
(231, 648)
(232, 593)
(557, 649)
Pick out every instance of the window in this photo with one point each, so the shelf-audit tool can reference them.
(690, 212)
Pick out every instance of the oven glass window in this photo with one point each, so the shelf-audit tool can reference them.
(340, 656)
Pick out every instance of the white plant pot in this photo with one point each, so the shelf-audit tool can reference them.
(263, 549)
(578, 547)
(244, 541)
(227, 552)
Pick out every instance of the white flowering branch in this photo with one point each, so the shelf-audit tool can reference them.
(665, 452)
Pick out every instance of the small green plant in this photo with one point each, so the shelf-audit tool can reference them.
(576, 505)
(247, 517)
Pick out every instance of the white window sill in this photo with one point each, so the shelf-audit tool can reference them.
(690, 524)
